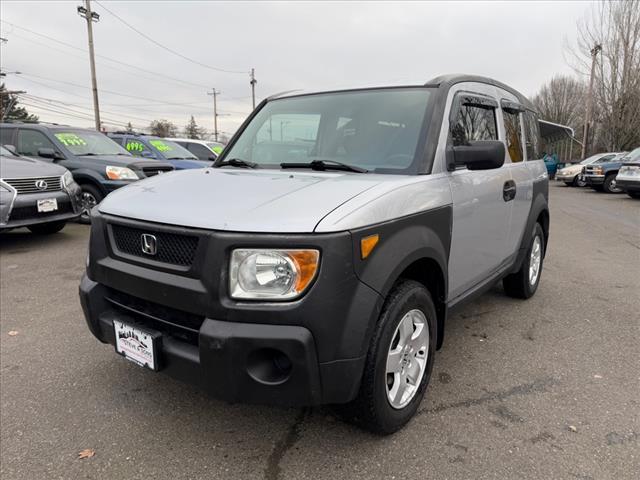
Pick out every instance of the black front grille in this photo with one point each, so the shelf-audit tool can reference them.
(31, 211)
(151, 171)
(181, 325)
(172, 248)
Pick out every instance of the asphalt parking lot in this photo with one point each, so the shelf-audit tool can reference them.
(545, 388)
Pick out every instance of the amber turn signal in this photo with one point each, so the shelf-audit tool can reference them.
(367, 244)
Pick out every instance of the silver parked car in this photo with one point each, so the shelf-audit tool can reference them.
(352, 224)
(40, 196)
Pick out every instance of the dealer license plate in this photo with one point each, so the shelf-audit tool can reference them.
(47, 205)
(136, 345)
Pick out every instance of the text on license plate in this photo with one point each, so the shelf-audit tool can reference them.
(47, 205)
(135, 344)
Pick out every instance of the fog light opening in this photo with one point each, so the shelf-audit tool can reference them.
(269, 366)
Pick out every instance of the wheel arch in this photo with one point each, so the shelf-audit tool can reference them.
(88, 177)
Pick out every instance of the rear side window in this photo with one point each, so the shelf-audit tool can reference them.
(200, 151)
(533, 141)
(473, 123)
(513, 132)
(30, 141)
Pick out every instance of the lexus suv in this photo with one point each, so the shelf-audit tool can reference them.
(354, 222)
(98, 164)
(35, 194)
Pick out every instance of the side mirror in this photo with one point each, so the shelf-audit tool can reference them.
(478, 155)
(48, 153)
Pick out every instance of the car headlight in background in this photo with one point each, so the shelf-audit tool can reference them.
(67, 179)
(630, 170)
(120, 173)
(271, 274)
(597, 171)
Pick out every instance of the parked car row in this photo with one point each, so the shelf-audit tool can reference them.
(98, 164)
(606, 172)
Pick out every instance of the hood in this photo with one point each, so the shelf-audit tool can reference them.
(187, 164)
(16, 167)
(238, 200)
(119, 160)
(571, 169)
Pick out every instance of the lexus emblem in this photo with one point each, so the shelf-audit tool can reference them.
(149, 244)
(41, 185)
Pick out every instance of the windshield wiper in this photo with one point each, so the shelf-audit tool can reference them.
(321, 165)
(237, 162)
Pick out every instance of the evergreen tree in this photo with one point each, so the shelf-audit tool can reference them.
(10, 110)
(192, 130)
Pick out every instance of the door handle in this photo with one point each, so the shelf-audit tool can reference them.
(509, 190)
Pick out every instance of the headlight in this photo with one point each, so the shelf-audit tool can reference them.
(120, 173)
(67, 179)
(271, 274)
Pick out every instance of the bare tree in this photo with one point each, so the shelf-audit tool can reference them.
(562, 100)
(163, 128)
(616, 27)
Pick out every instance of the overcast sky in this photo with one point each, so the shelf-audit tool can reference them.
(291, 45)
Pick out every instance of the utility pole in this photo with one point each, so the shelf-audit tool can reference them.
(253, 87)
(587, 122)
(215, 93)
(86, 13)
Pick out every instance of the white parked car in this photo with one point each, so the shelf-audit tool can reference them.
(202, 149)
(572, 174)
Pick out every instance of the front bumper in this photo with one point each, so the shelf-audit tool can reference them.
(21, 210)
(628, 185)
(306, 352)
(594, 179)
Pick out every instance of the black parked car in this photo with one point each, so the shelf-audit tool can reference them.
(35, 194)
(98, 164)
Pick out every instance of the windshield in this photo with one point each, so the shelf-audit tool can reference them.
(171, 150)
(632, 156)
(84, 142)
(215, 147)
(377, 130)
(594, 158)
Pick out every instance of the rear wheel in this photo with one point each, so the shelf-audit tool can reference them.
(47, 228)
(399, 361)
(524, 283)
(90, 197)
(610, 185)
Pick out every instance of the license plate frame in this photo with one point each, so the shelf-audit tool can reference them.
(137, 344)
(47, 205)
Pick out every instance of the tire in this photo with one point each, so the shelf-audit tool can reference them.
(47, 228)
(578, 181)
(520, 284)
(634, 194)
(372, 409)
(90, 197)
(610, 185)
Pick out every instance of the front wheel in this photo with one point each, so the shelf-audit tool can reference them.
(47, 228)
(90, 197)
(610, 185)
(524, 283)
(579, 181)
(399, 361)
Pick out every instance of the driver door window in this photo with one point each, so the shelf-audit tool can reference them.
(30, 141)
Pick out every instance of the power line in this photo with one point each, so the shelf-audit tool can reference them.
(155, 42)
(68, 45)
